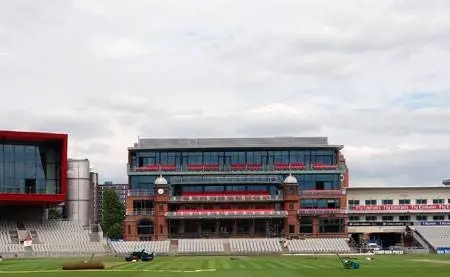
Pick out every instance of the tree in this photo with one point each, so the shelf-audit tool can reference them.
(113, 214)
(115, 231)
(54, 213)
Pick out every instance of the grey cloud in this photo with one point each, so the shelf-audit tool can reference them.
(78, 126)
(421, 167)
(106, 72)
(96, 148)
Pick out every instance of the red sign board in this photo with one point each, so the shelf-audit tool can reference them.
(400, 207)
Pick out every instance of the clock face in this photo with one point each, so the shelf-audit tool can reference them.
(160, 191)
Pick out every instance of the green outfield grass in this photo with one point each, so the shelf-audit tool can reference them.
(278, 266)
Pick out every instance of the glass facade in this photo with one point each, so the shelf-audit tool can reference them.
(320, 203)
(26, 168)
(223, 158)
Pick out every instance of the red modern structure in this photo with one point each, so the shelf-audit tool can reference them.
(33, 169)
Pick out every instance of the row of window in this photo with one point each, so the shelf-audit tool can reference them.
(320, 203)
(234, 157)
(373, 202)
(28, 153)
(400, 218)
(306, 182)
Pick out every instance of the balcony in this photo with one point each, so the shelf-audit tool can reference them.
(254, 213)
(320, 193)
(207, 179)
(144, 212)
(227, 197)
(234, 168)
(321, 211)
(135, 192)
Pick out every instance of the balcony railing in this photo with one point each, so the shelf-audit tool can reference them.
(321, 211)
(148, 212)
(235, 168)
(227, 198)
(207, 179)
(136, 192)
(330, 193)
(227, 214)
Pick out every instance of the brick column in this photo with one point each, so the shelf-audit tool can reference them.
(315, 221)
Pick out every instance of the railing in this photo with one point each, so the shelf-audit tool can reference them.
(15, 190)
(140, 212)
(132, 192)
(207, 179)
(337, 193)
(226, 214)
(226, 198)
(321, 211)
(234, 168)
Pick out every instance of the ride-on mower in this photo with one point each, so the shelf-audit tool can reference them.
(142, 255)
(349, 263)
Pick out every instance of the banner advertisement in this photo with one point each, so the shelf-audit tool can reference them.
(435, 223)
(380, 223)
(400, 207)
(389, 252)
(443, 250)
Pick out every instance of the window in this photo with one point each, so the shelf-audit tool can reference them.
(404, 218)
(387, 218)
(353, 218)
(291, 206)
(291, 229)
(438, 217)
(387, 202)
(160, 229)
(438, 201)
(331, 225)
(421, 217)
(129, 229)
(404, 201)
(353, 202)
(421, 201)
(371, 218)
(371, 202)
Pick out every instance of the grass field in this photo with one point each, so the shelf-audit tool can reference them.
(286, 266)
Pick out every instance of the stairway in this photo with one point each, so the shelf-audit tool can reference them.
(227, 248)
(14, 236)
(34, 236)
(173, 249)
(93, 237)
(284, 247)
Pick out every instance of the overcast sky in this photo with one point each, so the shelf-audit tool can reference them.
(371, 75)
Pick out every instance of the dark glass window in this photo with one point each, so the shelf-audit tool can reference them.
(320, 203)
(28, 168)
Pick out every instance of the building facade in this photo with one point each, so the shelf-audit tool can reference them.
(33, 172)
(384, 213)
(121, 189)
(248, 187)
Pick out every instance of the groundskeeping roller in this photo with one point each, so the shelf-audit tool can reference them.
(348, 263)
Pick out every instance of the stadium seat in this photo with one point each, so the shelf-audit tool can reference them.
(319, 245)
(125, 247)
(436, 236)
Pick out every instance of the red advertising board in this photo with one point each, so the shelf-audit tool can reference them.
(400, 207)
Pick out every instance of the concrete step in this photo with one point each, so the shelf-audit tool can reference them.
(227, 248)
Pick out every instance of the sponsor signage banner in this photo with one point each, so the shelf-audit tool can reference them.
(435, 223)
(379, 223)
(389, 252)
(400, 207)
(443, 250)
